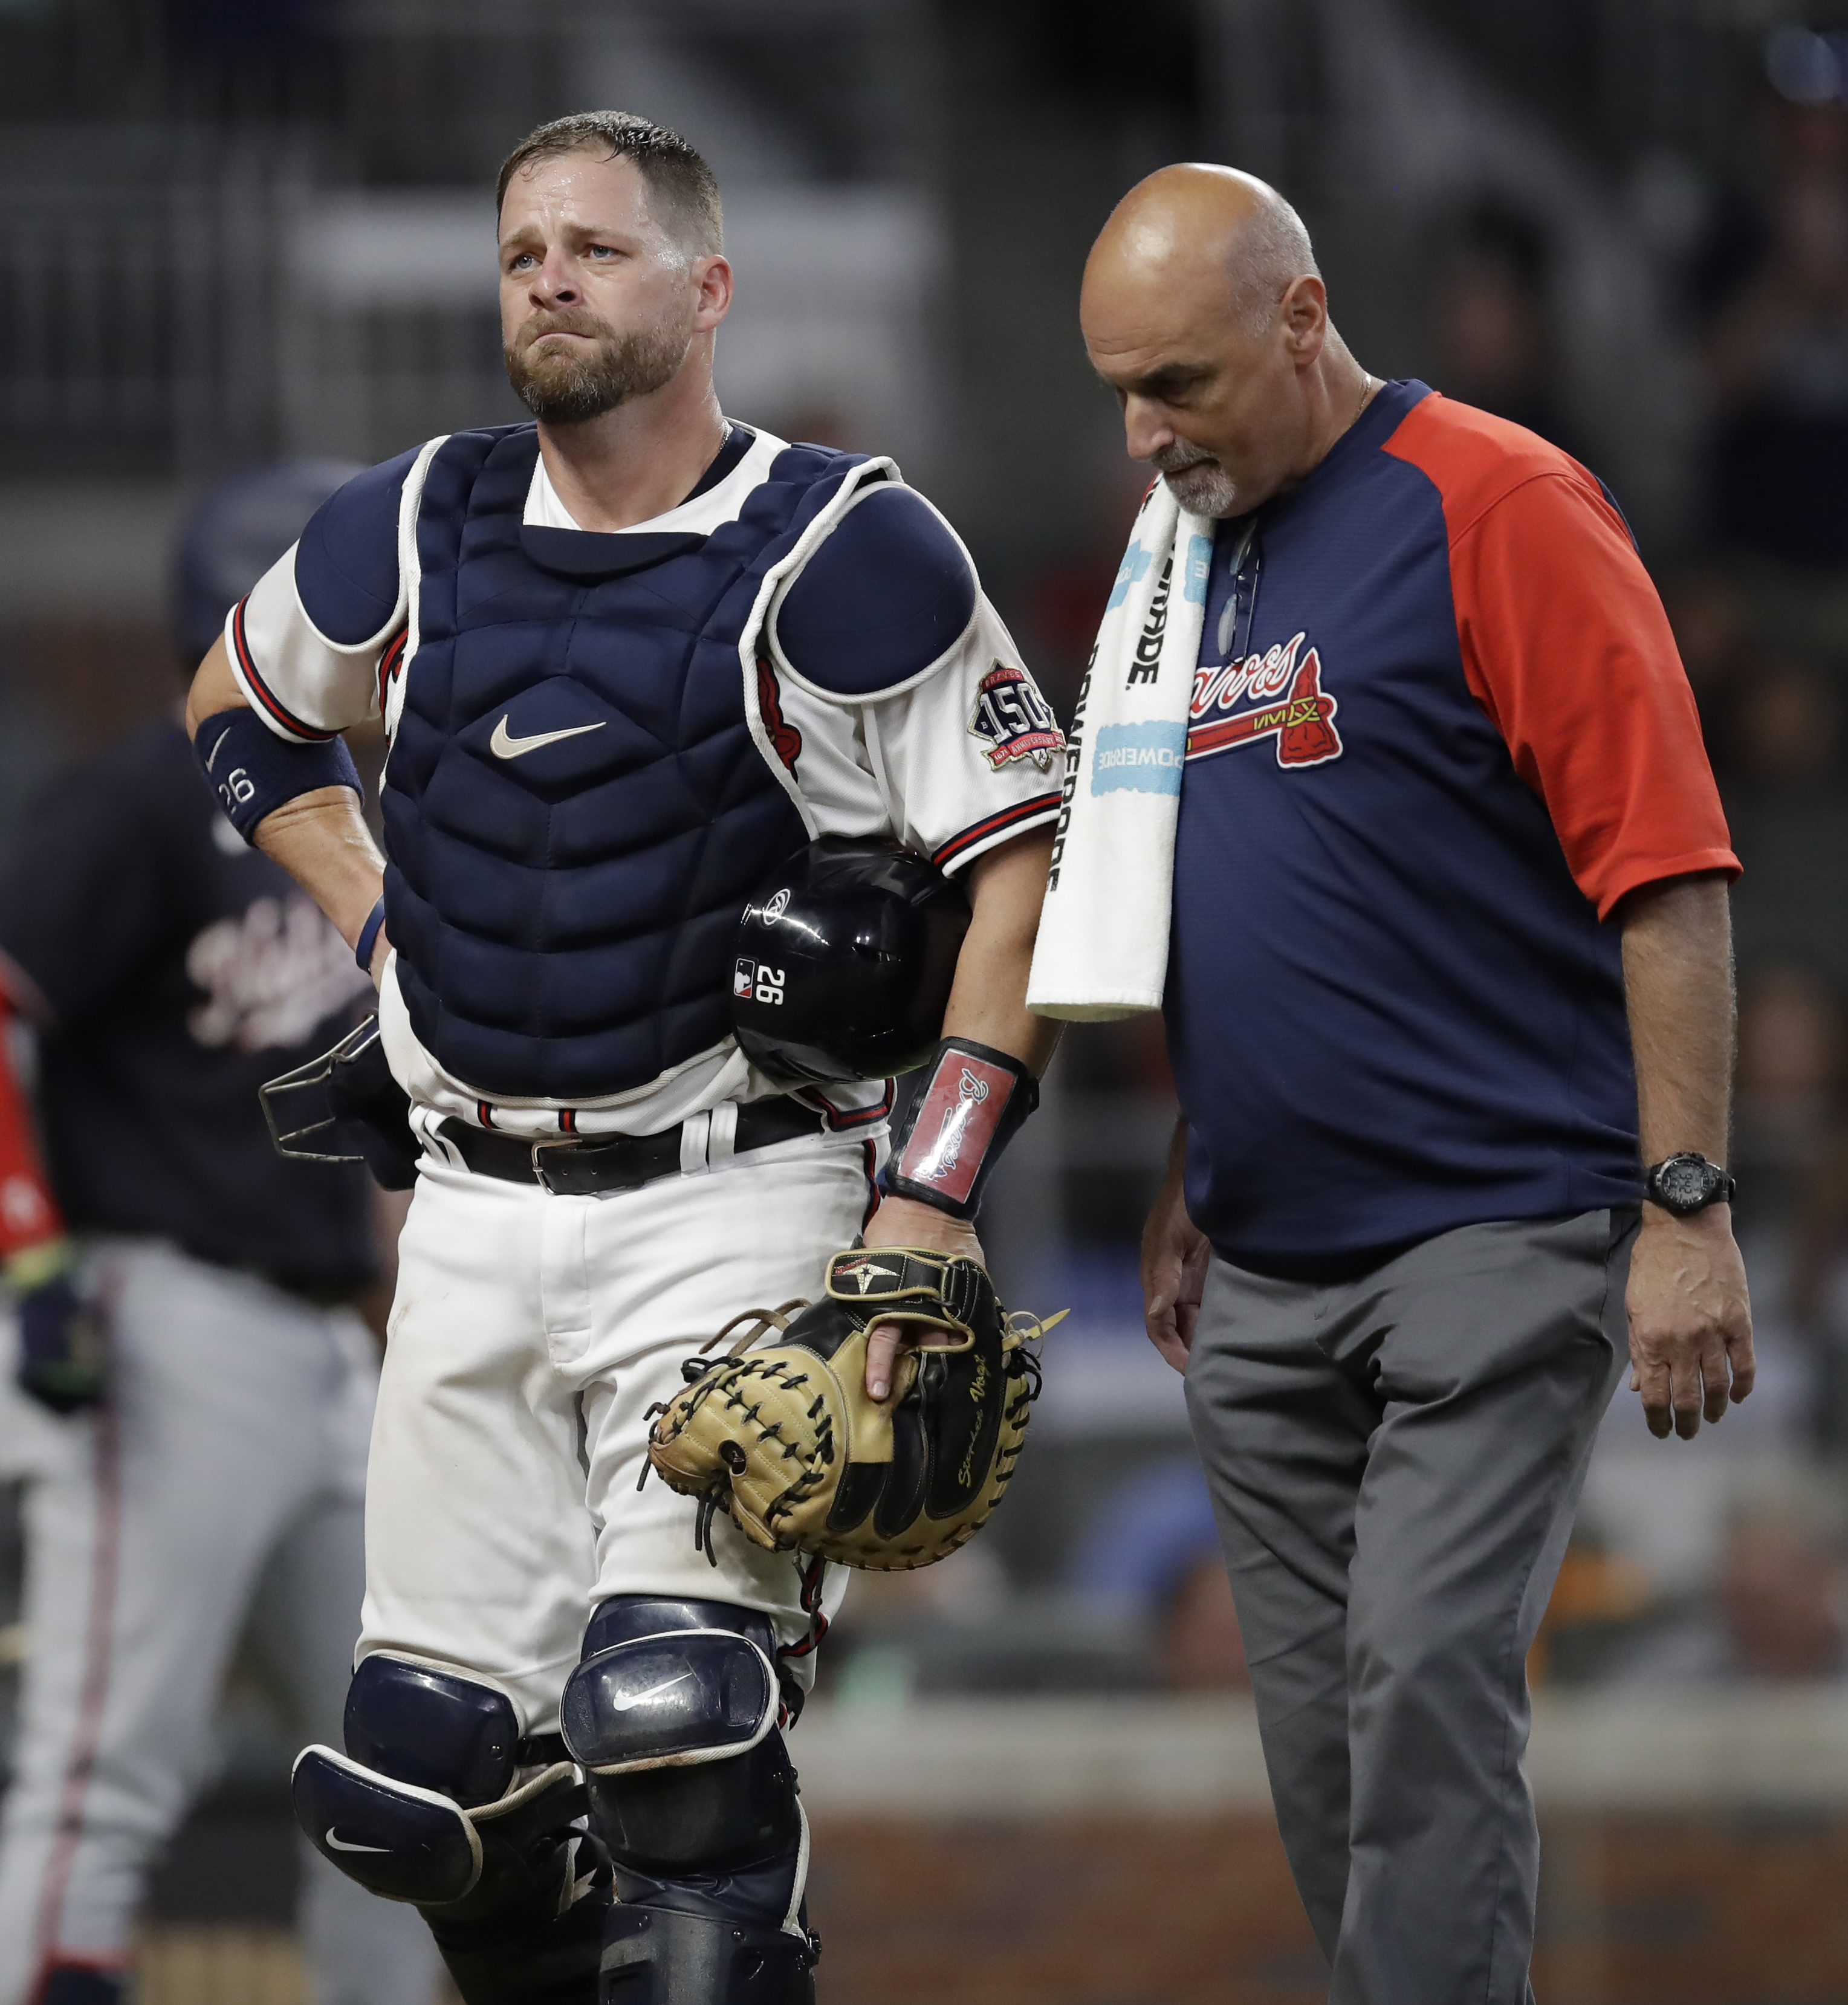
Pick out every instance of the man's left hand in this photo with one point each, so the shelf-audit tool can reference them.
(902, 1221)
(1690, 1320)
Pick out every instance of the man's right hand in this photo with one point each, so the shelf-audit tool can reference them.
(63, 1355)
(1174, 1254)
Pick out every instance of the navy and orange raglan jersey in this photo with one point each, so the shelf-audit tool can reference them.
(1439, 729)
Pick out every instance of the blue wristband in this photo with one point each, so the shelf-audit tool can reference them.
(254, 772)
(368, 938)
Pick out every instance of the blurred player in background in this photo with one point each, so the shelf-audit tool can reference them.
(181, 1296)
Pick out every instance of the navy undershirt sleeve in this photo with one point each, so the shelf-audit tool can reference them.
(886, 594)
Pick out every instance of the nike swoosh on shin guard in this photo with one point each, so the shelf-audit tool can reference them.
(627, 1701)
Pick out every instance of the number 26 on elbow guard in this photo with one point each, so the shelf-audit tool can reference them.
(754, 980)
(236, 788)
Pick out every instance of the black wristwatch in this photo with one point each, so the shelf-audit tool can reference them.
(1686, 1183)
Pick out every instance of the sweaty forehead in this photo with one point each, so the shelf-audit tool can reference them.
(581, 190)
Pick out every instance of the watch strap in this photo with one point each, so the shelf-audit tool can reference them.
(1721, 1185)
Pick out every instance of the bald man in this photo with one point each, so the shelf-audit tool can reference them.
(1440, 921)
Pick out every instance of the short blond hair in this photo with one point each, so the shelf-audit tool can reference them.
(683, 191)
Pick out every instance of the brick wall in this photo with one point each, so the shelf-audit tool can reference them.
(1091, 1911)
(1697, 1909)
(1746, 1908)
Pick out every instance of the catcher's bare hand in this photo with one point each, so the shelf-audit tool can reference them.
(1174, 1256)
(901, 1221)
(1690, 1320)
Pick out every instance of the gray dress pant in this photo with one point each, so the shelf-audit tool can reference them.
(1394, 1462)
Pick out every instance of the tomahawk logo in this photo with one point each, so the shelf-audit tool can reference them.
(1303, 722)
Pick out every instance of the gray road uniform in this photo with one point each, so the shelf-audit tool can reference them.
(170, 970)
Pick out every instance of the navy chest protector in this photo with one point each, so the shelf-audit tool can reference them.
(575, 810)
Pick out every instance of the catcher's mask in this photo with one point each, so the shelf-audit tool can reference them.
(845, 959)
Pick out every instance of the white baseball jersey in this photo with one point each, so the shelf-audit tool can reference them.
(533, 1332)
(953, 760)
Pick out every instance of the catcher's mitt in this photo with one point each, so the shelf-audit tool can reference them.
(785, 1440)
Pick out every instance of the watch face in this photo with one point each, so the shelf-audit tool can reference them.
(1683, 1182)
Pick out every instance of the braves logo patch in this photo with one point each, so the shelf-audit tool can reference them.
(1283, 687)
(1014, 720)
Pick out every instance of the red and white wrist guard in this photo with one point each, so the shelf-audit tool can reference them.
(973, 1104)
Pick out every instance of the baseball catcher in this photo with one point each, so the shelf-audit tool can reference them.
(629, 657)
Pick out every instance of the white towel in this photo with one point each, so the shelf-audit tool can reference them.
(1102, 951)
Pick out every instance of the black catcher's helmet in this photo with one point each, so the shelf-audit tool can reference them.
(845, 956)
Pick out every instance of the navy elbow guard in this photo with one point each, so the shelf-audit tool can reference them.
(973, 1104)
(254, 772)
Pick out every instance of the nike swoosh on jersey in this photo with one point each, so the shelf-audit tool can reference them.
(340, 1843)
(624, 1701)
(504, 744)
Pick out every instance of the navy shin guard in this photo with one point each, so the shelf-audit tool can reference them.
(658, 1956)
(672, 1715)
(437, 1802)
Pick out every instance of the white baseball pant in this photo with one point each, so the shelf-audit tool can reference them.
(530, 1336)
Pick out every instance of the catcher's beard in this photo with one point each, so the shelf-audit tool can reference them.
(570, 388)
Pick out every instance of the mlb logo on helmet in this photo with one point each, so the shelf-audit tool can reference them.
(744, 975)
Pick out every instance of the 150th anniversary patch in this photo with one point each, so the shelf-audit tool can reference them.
(1014, 720)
